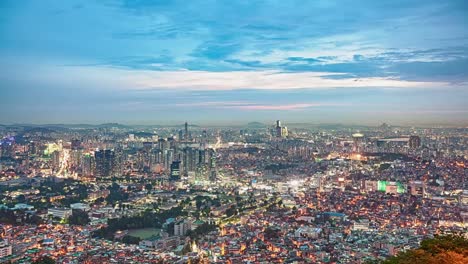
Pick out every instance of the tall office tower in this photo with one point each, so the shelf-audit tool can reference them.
(175, 171)
(202, 156)
(186, 135)
(414, 142)
(278, 128)
(87, 165)
(32, 148)
(163, 144)
(284, 132)
(185, 159)
(190, 159)
(141, 160)
(75, 158)
(171, 142)
(279, 131)
(55, 160)
(357, 142)
(75, 144)
(212, 165)
(119, 158)
(169, 158)
(152, 159)
(181, 135)
(105, 160)
(158, 156)
(196, 158)
(7, 147)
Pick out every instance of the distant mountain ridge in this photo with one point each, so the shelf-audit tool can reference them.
(256, 125)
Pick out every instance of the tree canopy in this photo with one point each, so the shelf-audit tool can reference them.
(44, 260)
(78, 217)
(444, 249)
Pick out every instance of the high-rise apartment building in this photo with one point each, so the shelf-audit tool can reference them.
(414, 142)
(105, 161)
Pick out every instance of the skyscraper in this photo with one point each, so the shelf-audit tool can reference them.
(55, 160)
(32, 148)
(175, 171)
(181, 134)
(212, 165)
(414, 142)
(87, 165)
(189, 159)
(169, 158)
(281, 132)
(278, 128)
(357, 142)
(118, 161)
(105, 161)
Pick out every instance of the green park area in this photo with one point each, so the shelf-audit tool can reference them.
(144, 233)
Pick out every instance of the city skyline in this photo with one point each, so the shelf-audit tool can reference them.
(166, 62)
(225, 132)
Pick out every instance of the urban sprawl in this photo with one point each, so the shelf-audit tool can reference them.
(253, 194)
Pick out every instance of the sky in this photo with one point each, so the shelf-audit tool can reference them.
(231, 62)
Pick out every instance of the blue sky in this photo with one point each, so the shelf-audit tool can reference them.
(149, 62)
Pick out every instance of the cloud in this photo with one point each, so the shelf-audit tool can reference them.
(241, 54)
(364, 39)
(214, 104)
(269, 80)
(285, 107)
(120, 78)
(252, 106)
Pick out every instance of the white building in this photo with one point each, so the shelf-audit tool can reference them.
(289, 201)
(80, 206)
(182, 227)
(305, 218)
(59, 212)
(362, 225)
(309, 232)
(22, 206)
(464, 197)
(5, 249)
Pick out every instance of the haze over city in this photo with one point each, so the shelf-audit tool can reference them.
(233, 62)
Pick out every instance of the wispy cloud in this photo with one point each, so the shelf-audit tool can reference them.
(252, 106)
(285, 107)
(247, 57)
(214, 104)
(232, 80)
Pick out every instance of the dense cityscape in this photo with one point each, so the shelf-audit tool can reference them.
(261, 193)
(233, 132)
